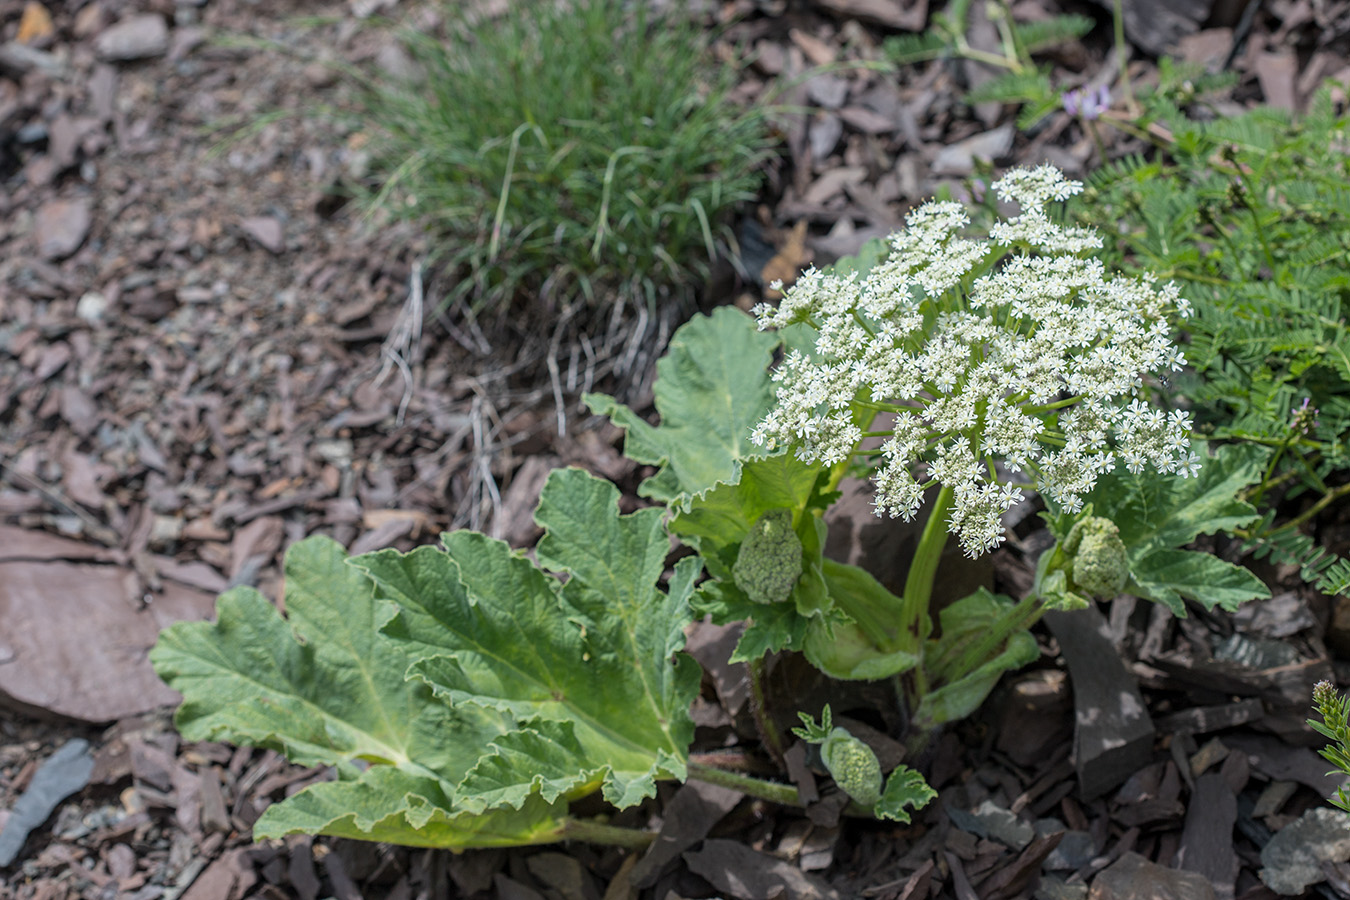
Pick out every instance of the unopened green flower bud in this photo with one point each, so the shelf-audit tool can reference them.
(853, 765)
(770, 559)
(1101, 566)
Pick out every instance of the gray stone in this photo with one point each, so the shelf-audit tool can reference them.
(959, 158)
(1132, 877)
(60, 775)
(1076, 849)
(139, 37)
(1054, 888)
(266, 231)
(1293, 859)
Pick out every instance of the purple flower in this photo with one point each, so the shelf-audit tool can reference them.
(1087, 104)
(1305, 417)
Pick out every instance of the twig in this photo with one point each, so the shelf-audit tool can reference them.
(96, 529)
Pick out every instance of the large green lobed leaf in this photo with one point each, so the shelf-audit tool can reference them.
(326, 688)
(1158, 515)
(585, 667)
(712, 387)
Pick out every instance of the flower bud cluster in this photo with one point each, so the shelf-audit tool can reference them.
(1015, 348)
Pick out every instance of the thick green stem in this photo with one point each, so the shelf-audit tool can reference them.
(773, 791)
(923, 569)
(611, 835)
(1019, 618)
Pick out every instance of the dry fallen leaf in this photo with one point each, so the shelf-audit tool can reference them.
(375, 518)
(35, 24)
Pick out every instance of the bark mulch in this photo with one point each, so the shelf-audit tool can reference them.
(204, 357)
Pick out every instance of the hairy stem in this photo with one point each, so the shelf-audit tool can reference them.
(773, 741)
(773, 791)
(1123, 55)
(1330, 497)
(594, 832)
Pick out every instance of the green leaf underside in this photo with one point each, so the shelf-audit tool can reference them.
(712, 387)
(326, 688)
(485, 627)
(716, 521)
(957, 695)
(904, 788)
(1156, 516)
(385, 805)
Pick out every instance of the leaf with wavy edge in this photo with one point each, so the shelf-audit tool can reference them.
(487, 628)
(905, 790)
(326, 688)
(1156, 515)
(387, 805)
(712, 387)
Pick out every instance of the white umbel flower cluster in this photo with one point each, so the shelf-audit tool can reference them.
(1016, 348)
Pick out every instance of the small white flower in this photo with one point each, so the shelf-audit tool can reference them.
(1014, 347)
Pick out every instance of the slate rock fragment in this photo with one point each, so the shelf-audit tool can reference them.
(63, 773)
(741, 872)
(1132, 877)
(1207, 838)
(1292, 861)
(1113, 733)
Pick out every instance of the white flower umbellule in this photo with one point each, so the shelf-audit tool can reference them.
(1016, 347)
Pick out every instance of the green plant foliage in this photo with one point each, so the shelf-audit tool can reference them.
(960, 681)
(1022, 82)
(855, 768)
(325, 687)
(905, 790)
(1334, 708)
(1050, 32)
(580, 148)
(1251, 215)
(1325, 571)
(583, 665)
(712, 386)
(1101, 566)
(464, 694)
(853, 765)
(1157, 519)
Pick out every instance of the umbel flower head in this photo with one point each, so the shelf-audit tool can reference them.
(1015, 348)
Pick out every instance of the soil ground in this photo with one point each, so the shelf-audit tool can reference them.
(205, 356)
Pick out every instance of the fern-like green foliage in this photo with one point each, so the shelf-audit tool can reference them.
(1251, 215)
(1045, 34)
(1023, 83)
(1325, 571)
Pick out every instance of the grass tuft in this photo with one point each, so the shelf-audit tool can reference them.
(563, 151)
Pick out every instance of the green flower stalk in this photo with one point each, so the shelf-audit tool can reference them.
(1334, 708)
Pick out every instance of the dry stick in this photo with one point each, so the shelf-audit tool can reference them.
(97, 529)
(403, 341)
